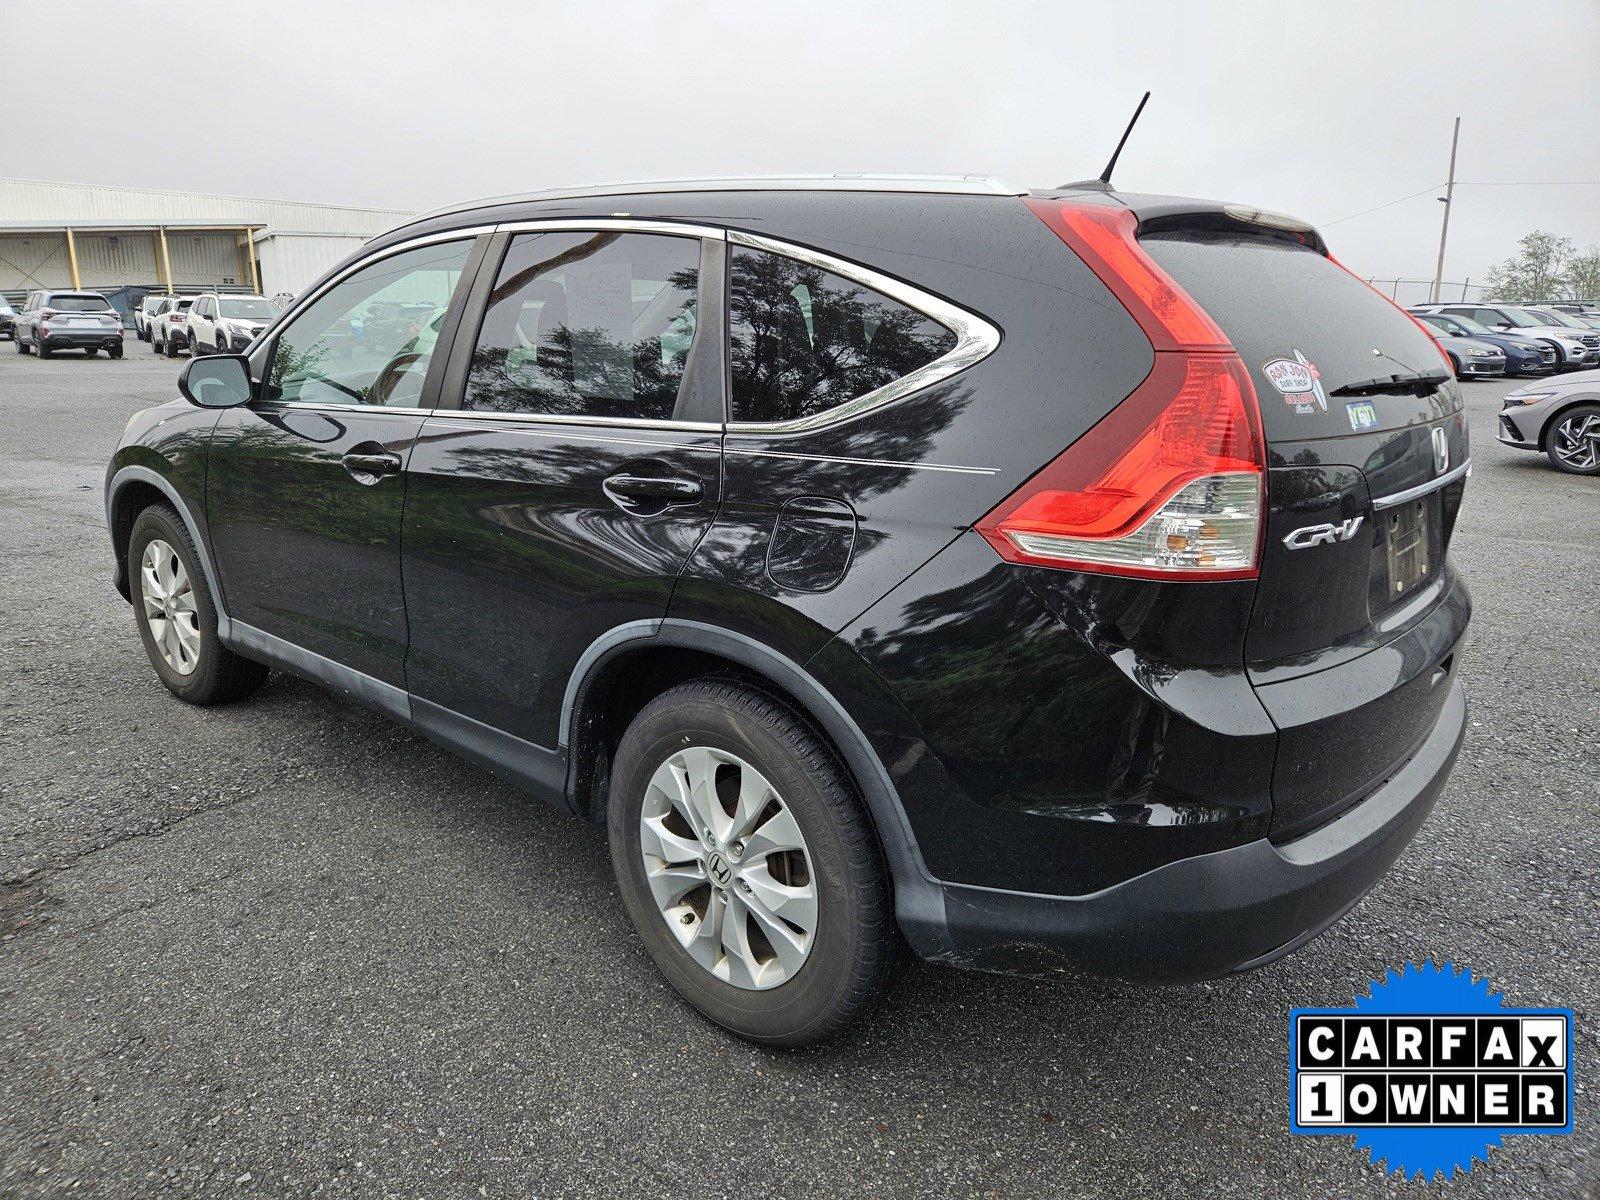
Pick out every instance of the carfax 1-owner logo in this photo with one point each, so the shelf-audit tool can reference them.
(1430, 1070)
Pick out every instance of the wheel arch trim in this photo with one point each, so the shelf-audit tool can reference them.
(919, 896)
(135, 473)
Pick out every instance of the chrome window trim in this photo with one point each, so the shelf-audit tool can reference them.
(976, 338)
(1422, 489)
(569, 419)
(305, 301)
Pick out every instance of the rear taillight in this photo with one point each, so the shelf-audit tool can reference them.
(46, 313)
(1169, 484)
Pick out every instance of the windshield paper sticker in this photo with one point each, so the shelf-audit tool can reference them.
(1299, 381)
(1430, 1070)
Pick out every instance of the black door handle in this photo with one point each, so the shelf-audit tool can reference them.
(650, 493)
(374, 465)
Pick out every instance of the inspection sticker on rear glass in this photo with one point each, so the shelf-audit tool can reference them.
(1299, 381)
(1430, 1070)
(1363, 415)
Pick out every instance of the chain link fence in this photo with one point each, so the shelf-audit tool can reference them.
(1420, 291)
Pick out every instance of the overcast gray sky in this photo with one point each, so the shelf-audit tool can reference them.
(1318, 109)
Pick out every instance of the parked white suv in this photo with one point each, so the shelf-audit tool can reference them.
(144, 316)
(223, 324)
(169, 325)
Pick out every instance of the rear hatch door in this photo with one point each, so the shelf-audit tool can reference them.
(1357, 609)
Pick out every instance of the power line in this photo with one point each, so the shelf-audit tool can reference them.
(1430, 188)
(1528, 183)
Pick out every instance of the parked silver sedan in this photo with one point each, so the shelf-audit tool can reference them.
(1560, 417)
(1470, 358)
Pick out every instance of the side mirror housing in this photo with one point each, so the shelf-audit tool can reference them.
(216, 381)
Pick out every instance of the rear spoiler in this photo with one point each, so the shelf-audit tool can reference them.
(1171, 214)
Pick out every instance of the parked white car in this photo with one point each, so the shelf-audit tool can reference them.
(169, 327)
(224, 324)
(145, 314)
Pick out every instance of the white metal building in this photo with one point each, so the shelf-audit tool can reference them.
(127, 242)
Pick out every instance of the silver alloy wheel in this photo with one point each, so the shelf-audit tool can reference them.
(729, 868)
(169, 607)
(1576, 441)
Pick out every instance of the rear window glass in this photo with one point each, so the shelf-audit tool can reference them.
(79, 304)
(1283, 304)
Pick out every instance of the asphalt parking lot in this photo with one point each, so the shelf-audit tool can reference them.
(286, 948)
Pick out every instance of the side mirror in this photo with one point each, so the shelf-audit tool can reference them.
(1502, 325)
(216, 381)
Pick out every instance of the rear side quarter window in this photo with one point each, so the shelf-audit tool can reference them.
(803, 340)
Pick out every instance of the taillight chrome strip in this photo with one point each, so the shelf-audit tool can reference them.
(1394, 499)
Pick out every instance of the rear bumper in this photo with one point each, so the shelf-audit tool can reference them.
(1216, 913)
(69, 339)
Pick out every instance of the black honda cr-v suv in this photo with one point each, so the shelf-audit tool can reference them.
(1044, 579)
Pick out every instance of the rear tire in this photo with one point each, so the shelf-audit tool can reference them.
(1572, 441)
(169, 347)
(190, 660)
(45, 351)
(113, 351)
(829, 972)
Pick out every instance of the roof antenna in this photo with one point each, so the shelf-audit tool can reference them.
(1103, 184)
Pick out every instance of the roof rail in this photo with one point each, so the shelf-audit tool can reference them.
(961, 185)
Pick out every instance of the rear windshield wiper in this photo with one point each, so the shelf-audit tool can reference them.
(1419, 384)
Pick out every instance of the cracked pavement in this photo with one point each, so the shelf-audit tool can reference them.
(285, 948)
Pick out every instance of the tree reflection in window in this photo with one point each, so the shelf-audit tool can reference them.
(804, 340)
(587, 324)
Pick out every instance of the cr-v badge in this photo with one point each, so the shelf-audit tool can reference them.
(1323, 535)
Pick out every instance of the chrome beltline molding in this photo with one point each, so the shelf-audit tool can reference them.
(1422, 489)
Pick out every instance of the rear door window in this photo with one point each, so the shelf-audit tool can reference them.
(588, 324)
(1305, 327)
(803, 340)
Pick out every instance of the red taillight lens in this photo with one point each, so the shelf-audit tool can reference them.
(1169, 484)
(1103, 236)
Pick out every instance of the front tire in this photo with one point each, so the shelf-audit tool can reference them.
(1572, 442)
(748, 866)
(176, 617)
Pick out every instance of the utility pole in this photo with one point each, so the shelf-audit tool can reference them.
(1448, 198)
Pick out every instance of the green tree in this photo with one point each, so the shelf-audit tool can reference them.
(1581, 279)
(1535, 272)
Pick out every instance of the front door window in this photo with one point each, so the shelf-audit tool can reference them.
(369, 338)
